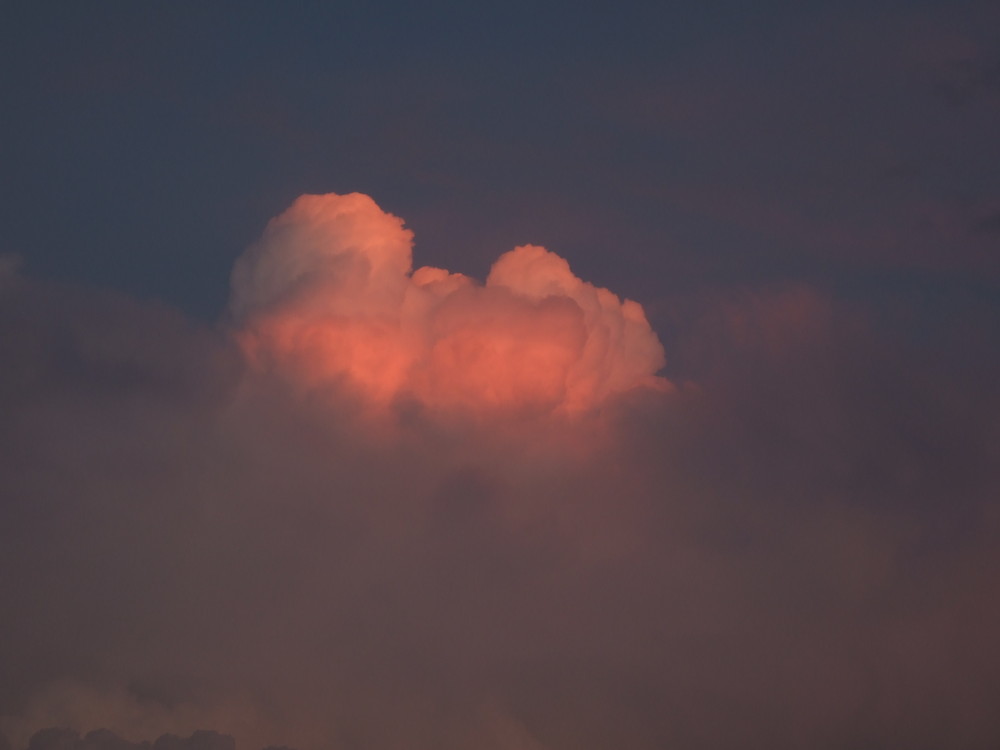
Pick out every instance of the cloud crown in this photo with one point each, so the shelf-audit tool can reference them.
(328, 296)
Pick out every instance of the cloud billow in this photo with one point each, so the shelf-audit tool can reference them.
(797, 548)
(329, 293)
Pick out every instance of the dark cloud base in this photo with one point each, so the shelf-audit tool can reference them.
(798, 548)
(104, 739)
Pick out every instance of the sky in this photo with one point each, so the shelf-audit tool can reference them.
(517, 377)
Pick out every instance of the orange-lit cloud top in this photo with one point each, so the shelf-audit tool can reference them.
(328, 294)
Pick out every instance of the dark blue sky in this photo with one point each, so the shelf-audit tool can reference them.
(660, 147)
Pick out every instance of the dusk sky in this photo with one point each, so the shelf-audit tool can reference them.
(517, 377)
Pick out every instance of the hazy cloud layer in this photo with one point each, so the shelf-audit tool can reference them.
(795, 547)
(55, 738)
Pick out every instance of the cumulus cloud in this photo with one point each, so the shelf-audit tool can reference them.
(798, 551)
(329, 295)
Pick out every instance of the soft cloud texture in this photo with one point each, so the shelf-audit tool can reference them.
(386, 507)
(796, 549)
(329, 295)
